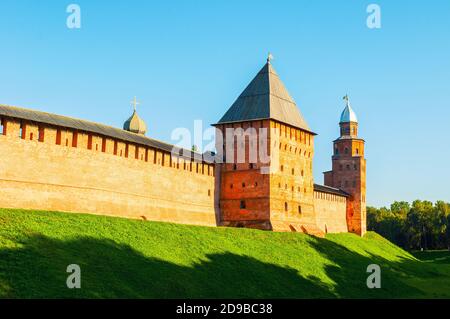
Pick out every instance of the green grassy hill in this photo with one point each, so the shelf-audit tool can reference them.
(137, 259)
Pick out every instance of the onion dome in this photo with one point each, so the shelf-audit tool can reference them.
(135, 124)
(348, 115)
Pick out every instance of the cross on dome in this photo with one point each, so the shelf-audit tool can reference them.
(135, 103)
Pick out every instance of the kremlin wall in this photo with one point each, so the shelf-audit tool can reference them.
(56, 163)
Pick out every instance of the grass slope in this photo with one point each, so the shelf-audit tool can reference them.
(135, 259)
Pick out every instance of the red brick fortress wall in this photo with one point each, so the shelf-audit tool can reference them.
(54, 168)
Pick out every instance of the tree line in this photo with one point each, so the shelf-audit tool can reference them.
(421, 225)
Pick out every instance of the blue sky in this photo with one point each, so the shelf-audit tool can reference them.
(189, 60)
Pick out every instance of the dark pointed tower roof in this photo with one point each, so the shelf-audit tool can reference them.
(265, 97)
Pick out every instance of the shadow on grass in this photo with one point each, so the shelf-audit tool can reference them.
(109, 270)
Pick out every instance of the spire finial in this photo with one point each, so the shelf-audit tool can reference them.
(269, 57)
(346, 99)
(135, 103)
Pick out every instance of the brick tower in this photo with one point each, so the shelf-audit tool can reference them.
(276, 192)
(349, 169)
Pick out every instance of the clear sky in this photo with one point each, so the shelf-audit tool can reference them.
(189, 60)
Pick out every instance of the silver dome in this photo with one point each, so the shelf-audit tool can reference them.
(348, 115)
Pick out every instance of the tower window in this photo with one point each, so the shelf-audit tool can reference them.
(209, 192)
(336, 151)
(282, 168)
(293, 171)
(242, 204)
(299, 209)
(346, 150)
(31, 136)
(231, 186)
(243, 185)
(357, 151)
(286, 206)
(302, 173)
(355, 167)
(348, 167)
